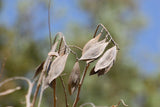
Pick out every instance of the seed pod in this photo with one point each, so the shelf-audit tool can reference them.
(74, 78)
(107, 59)
(104, 71)
(62, 48)
(39, 69)
(53, 50)
(57, 67)
(94, 51)
(90, 43)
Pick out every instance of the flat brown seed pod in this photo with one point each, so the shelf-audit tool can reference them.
(39, 69)
(74, 78)
(90, 43)
(94, 51)
(57, 67)
(108, 58)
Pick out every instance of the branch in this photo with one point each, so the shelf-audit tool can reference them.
(80, 84)
(9, 91)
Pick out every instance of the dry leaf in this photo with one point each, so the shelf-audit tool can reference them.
(90, 43)
(107, 59)
(74, 78)
(57, 67)
(94, 51)
(39, 69)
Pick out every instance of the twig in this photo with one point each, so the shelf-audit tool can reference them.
(54, 93)
(31, 84)
(74, 46)
(41, 92)
(49, 26)
(80, 84)
(65, 93)
(9, 91)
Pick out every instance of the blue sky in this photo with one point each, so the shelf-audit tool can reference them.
(147, 48)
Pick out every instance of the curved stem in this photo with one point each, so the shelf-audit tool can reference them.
(108, 34)
(74, 46)
(30, 84)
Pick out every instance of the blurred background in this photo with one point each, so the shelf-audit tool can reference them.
(135, 77)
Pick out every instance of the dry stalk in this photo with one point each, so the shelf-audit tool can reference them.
(80, 84)
(48, 60)
(30, 84)
(9, 91)
(64, 89)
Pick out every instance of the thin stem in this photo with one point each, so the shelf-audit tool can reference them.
(49, 26)
(110, 36)
(64, 88)
(48, 60)
(80, 84)
(74, 46)
(54, 93)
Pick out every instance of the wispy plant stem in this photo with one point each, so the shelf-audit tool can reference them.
(54, 93)
(108, 34)
(65, 93)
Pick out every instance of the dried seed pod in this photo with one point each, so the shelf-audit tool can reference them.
(74, 78)
(94, 51)
(90, 43)
(39, 69)
(92, 72)
(53, 50)
(53, 54)
(104, 71)
(62, 48)
(57, 67)
(107, 59)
